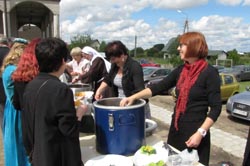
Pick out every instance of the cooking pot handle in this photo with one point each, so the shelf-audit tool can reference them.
(111, 122)
(127, 119)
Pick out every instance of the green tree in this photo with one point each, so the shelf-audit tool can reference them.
(172, 49)
(175, 61)
(103, 46)
(158, 47)
(152, 52)
(80, 41)
(233, 54)
(155, 51)
(139, 52)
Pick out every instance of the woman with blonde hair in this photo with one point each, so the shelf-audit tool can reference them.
(14, 151)
(79, 65)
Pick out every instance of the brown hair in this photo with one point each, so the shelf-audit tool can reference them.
(115, 49)
(196, 44)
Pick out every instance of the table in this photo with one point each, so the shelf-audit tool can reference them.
(88, 149)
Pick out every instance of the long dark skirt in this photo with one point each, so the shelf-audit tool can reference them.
(186, 129)
(246, 160)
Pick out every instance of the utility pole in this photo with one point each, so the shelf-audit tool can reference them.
(135, 46)
(186, 27)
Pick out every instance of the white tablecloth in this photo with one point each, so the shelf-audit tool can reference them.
(88, 148)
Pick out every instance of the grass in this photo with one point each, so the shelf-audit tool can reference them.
(243, 85)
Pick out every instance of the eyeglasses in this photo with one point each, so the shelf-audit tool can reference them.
(181, 45)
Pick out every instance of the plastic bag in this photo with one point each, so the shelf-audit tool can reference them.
(189, 157)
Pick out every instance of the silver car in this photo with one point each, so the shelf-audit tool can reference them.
(239, 105)
(241, 72)
(153, 73)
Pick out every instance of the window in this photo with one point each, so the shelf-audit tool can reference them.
(228, 79)
(158, 73)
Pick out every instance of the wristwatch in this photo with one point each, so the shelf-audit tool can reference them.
(202, 131)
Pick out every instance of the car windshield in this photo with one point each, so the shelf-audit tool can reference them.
(147, 71)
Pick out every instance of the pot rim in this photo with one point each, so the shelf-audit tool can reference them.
(114, 108)
(78, 85)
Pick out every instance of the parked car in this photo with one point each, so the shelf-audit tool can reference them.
(155, 81)
(229, 86)
(239, 105)
(152, 73)
(241, 72)
(146, 63)
(219, 68)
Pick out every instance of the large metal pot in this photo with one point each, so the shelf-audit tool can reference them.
(80, 87)
(119, 130)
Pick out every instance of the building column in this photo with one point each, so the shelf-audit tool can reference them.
(8, 25)
(56, 25)
(4, 24)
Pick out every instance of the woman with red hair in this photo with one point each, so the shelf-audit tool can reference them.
(26, 70)
(198, 102)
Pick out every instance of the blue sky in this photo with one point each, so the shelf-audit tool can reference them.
(225, 23)
(151, 15)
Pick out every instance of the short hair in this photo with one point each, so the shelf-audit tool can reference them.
(196, 44)
(76, 51)
(115, 49)
(27, 67)
(50, 53)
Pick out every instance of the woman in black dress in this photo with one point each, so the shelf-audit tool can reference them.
(198, 102)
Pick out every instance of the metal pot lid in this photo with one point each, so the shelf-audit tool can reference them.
(78, 85)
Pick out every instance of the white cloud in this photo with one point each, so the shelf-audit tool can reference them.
(230, 2)
(178, 4)
(225, 33)
(125, 31)
(102, 11)
(246, 3)
(112, 21)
